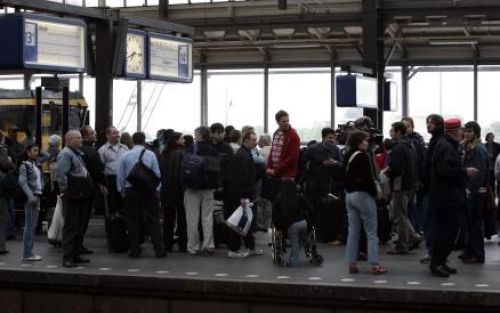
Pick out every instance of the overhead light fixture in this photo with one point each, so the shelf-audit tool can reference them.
(296, 45)
(452, 42)
(492, 22)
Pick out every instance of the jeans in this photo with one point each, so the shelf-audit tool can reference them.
(297, 233)
(475, 226)
(361, 209)
(31, 212)
(199, 202)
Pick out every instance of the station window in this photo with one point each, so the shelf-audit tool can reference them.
(305, 95)
(489, 100)
(236, 98)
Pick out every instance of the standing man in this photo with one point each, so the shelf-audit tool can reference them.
(285, 149)
(493, 149)
(77, 192)
(201, 170)
(244, 190)
(140, 204)
(110, 153)
(402, 174)
(415, 207)
(95, 167)
(322, 160)
(476, 156)
(447, 194)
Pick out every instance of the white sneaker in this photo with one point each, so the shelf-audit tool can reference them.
(33, 258)
(255, 251)
(237, 254)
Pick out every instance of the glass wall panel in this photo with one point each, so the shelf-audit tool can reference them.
(305, 95)
(171, 105)
(446, 92)
(236, 98)
(125, 105)
(391, 117)
(489, 101)
(11, 82)
(114, 3)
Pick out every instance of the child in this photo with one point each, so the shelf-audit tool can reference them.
(290, 210)
(30, 180)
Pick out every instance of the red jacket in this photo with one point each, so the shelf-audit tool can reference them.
(289, 158)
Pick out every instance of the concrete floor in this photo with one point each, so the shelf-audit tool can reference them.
(404, 272)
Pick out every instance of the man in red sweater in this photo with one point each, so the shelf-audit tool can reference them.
(284, 156)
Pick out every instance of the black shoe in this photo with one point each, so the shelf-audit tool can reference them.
(450, 270)
(84, 250)
(439, 271)
(79, 259)
(2, 252)
(69, 264)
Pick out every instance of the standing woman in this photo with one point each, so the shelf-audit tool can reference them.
(30, 180)
(360, 200)
(172, 192)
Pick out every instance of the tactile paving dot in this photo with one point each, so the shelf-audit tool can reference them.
(315, 278)
(221, 275)
(26, 265)
(80, 267)
(133, 270)
(282, 277)
(347, 280)
(252, 276)
(191, 273)
(162, 272)
(380, 282)
(51, 266)
(105, 269)
(2, 263)
(481, 285)
(413, 283)
(448, 284)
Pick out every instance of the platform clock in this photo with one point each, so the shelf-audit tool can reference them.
(135, 65)
(170, 58)
(41, 42)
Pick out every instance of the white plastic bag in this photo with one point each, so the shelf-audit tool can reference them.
(54, 233)
(241, 220)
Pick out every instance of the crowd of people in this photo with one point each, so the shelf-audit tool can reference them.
(442, 192)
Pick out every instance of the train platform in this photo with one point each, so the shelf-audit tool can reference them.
(185, 283)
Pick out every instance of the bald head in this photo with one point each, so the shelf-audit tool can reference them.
(73, 139)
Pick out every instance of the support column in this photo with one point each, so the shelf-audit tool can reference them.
(373, 53)
(80, 83)
(139, 105)
(476, 96)
(333, 95)
(27, 81)
(204, 96)
(103, 79)
(405, 105)
(266, 98)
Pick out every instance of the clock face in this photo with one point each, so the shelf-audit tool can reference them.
(135, 53)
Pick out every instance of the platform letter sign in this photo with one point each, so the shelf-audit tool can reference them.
(170, 58)
(40, 42)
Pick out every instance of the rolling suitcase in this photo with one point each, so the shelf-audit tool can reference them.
(331, 219)
(116, 229)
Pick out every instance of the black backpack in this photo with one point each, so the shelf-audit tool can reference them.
(11, 188)
(143, 178)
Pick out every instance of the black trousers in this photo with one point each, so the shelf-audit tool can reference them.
(174, 216)
(142, 210)
(75, 213)
(445, 233)
(115, 200)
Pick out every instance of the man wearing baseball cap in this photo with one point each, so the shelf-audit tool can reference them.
(447, 194)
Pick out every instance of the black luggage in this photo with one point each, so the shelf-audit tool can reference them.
(220, 228)
(115, 224)
(384, 224)
(331, 219)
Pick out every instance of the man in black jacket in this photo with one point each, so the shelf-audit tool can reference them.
(96, 170)
(243, 191)
(446, 194)
(403, 181)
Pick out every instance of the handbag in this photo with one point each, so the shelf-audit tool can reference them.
(241, 220)
(54, 234)
(143, 178)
